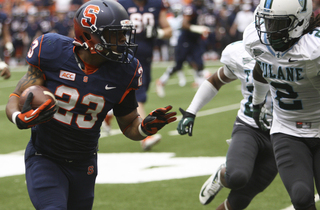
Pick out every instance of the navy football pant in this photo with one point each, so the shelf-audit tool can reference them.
(189, 50)
(250, 165)
(298, 161)
(60, 185)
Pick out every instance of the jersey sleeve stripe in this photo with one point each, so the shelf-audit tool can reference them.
(126, 93)
(44, 76)
(40, 50)
(129, 89)
(135, 73)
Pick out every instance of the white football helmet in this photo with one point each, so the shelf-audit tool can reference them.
(279, 21)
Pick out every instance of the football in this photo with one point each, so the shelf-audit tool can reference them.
(40, 95)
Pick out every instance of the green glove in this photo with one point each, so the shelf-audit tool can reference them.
(186, 123)
(262, 117)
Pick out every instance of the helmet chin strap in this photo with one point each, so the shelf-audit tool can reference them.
(278, 44)
(283, 46)
(111, 55)
(121, 55)
(83, 45)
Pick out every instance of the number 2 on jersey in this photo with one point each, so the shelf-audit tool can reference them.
(70, 104)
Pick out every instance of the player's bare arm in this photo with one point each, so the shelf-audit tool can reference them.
(257, 74)
(219, 79)
(7, 38)
(136, 129)
(129, 125)
(164, 24)
(206, 92)
(186, 22)
(33, 77)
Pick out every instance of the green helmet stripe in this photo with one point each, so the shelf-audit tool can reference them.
(268, 4)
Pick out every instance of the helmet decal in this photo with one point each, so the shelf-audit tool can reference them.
(97, 21)
(89, 16)
(268, 4)
(280, 21)
(303, 4)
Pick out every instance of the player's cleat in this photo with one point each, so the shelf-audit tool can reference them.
(150, 141)
(211, 187)
(182, 78)
(160, 89)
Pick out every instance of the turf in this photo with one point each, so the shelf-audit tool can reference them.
(210, 133)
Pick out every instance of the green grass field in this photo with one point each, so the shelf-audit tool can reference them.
(210, 133)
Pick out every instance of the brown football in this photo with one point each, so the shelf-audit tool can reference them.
(40, 95)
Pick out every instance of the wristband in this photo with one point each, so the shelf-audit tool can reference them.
(141, 131)
(14, 115)
(218, 73)
(13, 94)
(9, 46)
(160, 33)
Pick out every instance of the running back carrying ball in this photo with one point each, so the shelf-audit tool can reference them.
(40, 95)
(37, 105)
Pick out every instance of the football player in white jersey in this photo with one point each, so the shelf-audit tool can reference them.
(285, 42)
(250, 166)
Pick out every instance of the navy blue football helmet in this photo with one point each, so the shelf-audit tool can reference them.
(93, 18)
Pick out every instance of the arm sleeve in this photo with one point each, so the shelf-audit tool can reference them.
(205, 93)
(128, 104)
(260, 91)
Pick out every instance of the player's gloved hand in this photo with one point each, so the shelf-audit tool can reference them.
(157, 119)
(262, 116)
(30, 117)
(4, 70)
(9, 47)
(186, 123)
(151, 32)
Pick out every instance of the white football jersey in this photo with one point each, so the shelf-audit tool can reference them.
(239, 64)
(294, 80)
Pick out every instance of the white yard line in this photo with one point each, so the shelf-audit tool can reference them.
(174, 132)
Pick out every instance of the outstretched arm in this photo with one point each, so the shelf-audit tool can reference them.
(133, 127)
(165, 31)
(206, 92)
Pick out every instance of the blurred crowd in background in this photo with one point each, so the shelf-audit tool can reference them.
(28, 19)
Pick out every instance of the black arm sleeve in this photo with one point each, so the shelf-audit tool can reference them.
(128, 104)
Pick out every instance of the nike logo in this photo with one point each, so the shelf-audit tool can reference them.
(28, 118)
(238, 123)
(32, 115)
(109, 88)
(292, 60)
(202, 195)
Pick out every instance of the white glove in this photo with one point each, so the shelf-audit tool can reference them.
(203, 30)
(4, 70)
(9, 47)
(160, 33)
